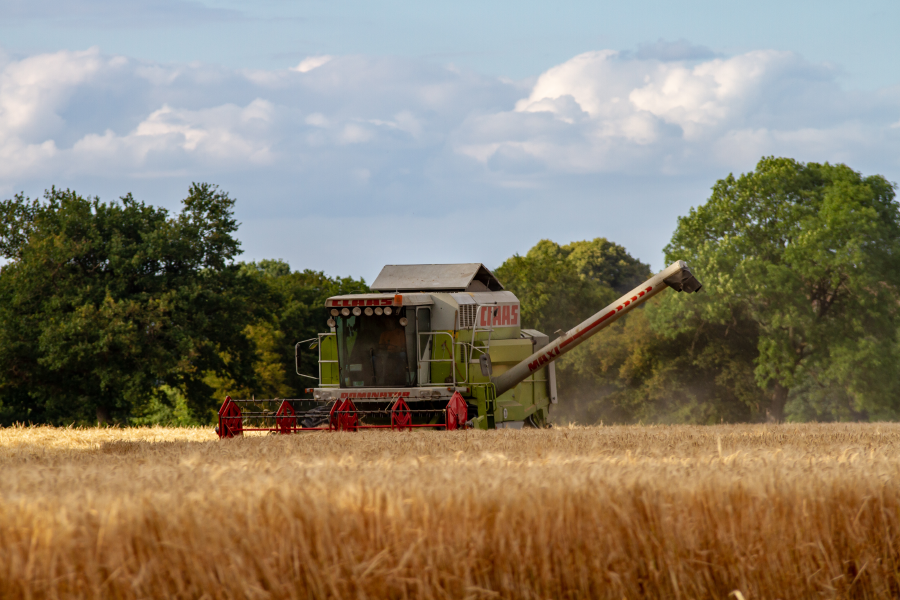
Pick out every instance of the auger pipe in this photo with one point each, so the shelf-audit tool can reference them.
(677, 276)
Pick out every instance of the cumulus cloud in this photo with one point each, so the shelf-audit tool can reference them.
(600, 111)
(312, 62)
(34, 89)
(84, 114)
(354, 140)
(604, 111)
(227, 136)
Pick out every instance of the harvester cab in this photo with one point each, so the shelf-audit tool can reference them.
(434, 346)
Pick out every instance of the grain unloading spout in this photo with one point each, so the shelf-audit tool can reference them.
(677, 276)
(683, 280)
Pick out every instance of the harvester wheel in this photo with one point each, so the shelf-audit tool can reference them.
(537, 421)
(317, 416)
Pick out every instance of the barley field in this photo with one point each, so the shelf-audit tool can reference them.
(745, 511)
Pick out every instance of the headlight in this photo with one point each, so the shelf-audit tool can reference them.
(335, 312)
(403, 321)
(378, 311)
(368, 312)
(357, 311)
(330, 322)
(345, 312)
(388, 310)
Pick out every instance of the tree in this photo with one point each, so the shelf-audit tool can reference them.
(106, 306)
(641, 370)
(810, 253)
(296, 312)
(560, 286)
(606, 263)
(554, 293)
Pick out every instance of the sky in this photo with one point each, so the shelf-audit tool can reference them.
(355, 134)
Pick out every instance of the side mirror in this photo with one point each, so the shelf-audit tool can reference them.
(486, 367)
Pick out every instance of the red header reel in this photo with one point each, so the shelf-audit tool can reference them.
(239, 416)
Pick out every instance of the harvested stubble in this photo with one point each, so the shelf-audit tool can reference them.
(771, 511)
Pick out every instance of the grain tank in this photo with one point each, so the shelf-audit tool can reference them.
(439, 346)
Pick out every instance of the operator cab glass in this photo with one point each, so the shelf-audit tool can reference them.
(376, 350)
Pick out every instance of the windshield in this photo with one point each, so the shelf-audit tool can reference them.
(373, 350)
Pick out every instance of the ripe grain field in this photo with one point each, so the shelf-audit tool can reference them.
(789, 511)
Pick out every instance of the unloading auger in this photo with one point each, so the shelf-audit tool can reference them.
(436, 346)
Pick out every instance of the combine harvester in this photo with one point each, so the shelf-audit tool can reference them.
(438, 346)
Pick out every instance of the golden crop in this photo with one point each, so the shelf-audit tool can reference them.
(597, 512)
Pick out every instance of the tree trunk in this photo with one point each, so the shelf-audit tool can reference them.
(102, 416)
(775, 414)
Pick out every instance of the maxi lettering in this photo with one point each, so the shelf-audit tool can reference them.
(551, 354)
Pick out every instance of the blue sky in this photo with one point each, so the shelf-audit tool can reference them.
(355, 134)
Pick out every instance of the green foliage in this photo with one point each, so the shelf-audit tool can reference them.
(124, 312)
(102, 304)
(169, 408)
(606, 263)
(798, 313)
(296, 312)
(636, 371)
(810, 254)
(559, 286)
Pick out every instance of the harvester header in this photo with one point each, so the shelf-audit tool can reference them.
(439, 346)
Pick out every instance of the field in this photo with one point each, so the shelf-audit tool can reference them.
(810, 511)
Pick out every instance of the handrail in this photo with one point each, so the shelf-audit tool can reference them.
(452, 342)
(484, 349)
(297, 358)
(451, 360)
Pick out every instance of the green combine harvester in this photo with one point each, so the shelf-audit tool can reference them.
(436, 346)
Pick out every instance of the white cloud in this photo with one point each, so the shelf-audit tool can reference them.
(82, 113)
(714, 92)
(354, 133)
(225, 135)
(603, 111)
(600, 111)
(18, 159)
(312, 62)
(33, 90)
(317, 120)
(385, 136)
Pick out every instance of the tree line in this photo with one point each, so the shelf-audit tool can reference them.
(124, 312)
(797, 320)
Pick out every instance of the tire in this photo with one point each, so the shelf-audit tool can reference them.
(539, 423)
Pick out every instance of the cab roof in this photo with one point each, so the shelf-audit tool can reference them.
(463, 277)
